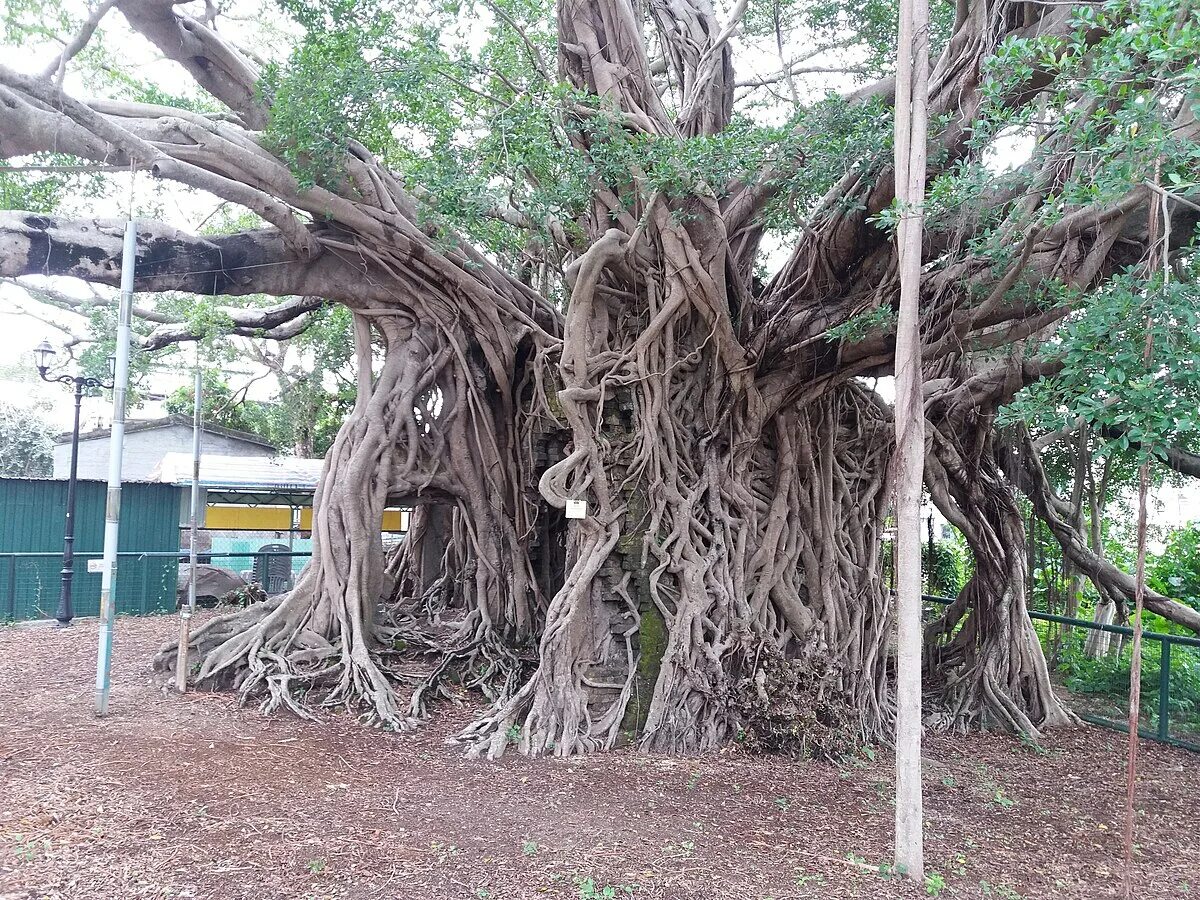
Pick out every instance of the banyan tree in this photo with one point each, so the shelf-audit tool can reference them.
(588, 261)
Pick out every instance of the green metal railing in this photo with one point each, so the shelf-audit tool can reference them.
(1161, 710)
(147, 581)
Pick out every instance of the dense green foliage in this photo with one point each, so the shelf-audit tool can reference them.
(1175, 571)
(473, 118)
(284, 423)
(945, 565)
(1106, 380)
(1107, 678)
(463, 100)
(219, 404)
(1106, 101)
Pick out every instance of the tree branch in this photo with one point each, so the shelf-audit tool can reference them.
(777, 77)
(78, 306)
(214, 64)
(109, 138)
(251, 262)
(954, 92)
(1056, 513)
(58, 68)
(74, 338)
(277, 322)
(1182, 461)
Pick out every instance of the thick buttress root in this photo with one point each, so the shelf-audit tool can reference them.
(269, 651)
(328, 638)
(983, 656)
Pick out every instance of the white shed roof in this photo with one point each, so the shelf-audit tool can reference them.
(254, 473)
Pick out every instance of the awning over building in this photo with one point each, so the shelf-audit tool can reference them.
(259, 493)
(250, 481)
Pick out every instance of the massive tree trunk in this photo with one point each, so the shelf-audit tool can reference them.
(759, 586)
(419, 433)
(726, 574)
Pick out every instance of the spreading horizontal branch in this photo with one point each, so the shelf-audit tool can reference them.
(1058, 515)
(1176, 458)
(81, 305)
(58, 66)
(277, 323)
(168, 259)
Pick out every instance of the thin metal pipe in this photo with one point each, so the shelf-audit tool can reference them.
(116, 446)
(1181, 639)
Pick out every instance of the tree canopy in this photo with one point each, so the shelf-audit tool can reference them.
(26, 443)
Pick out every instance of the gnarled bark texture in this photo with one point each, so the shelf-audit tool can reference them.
(984, 658)
(727, 572)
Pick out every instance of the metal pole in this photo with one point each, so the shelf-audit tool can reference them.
(65, 613)
(12, 588)
(1164, 691)
(931, 571)
(185, 614)
(116, 446)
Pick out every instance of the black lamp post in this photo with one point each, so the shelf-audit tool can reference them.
(43, 358)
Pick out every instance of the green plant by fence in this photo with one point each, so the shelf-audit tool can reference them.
(146, 582)
(1099, 686)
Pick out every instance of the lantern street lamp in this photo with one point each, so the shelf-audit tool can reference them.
(43, 359)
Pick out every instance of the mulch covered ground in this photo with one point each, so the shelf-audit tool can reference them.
(195, 797)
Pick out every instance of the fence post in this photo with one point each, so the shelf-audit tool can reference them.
(145, 584)
(12, 588)
(1164, 690)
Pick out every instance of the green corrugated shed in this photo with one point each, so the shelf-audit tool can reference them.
(31, 522)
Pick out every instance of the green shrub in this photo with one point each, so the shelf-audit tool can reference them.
(1176, 571)
(1108, 676)
(945, 570)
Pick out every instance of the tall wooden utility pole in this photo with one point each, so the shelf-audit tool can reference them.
(912, 84)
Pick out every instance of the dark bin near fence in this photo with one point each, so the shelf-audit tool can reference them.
(31, 533)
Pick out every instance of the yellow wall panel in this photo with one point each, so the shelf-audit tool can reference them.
(279, 518)
(393, 519)
(249, 518)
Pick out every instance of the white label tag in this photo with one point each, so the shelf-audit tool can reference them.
(95, 566)
(576, 509)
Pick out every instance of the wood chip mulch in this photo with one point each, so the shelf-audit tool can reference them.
(193, 796)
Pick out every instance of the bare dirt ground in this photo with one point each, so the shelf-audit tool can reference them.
(193, 796)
